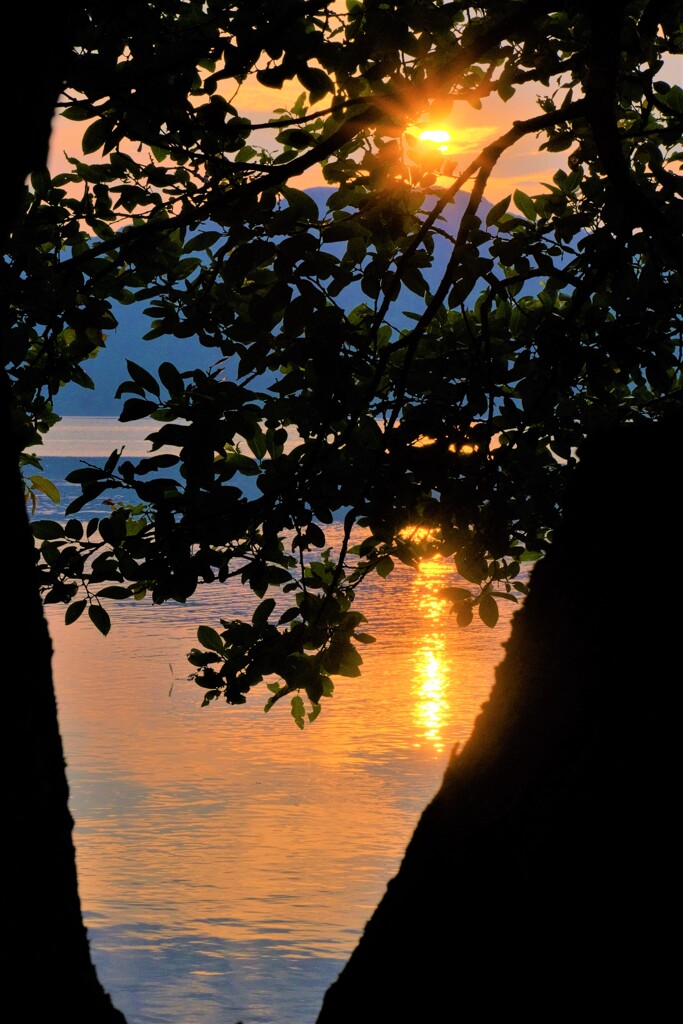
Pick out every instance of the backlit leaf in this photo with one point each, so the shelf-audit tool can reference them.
(100, 618)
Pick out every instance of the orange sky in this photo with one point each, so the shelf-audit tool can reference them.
(523, 167)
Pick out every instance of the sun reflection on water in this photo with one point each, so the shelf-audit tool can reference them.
(434, 674)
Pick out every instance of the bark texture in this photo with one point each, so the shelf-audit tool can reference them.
(544, 876)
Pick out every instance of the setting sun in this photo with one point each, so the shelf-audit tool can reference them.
(439, 136)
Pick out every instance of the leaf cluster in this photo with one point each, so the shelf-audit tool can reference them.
(397, 353)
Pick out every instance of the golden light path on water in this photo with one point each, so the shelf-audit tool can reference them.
(433, 677)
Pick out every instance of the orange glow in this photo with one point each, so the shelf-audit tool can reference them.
(463, 449)
(433, 678)
(431, 707)
(439, 137)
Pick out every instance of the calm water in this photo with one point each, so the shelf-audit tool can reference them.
(228, 861)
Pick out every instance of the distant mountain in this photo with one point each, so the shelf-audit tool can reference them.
(108, 368)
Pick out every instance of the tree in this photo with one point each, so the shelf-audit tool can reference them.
(542, 876)
(429, 380)
(48, 957)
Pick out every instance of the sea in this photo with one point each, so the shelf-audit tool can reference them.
(227, 860)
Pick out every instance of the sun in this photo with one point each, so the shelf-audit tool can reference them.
(440, 138)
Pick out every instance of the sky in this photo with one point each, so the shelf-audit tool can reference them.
(523, 166)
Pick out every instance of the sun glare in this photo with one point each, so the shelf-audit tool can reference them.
(439, 137)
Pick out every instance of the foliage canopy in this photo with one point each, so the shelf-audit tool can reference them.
(394, 352)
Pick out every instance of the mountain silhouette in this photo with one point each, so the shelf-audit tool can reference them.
(108, 369)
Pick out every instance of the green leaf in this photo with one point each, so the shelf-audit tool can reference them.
(300, 203)
(298, 711)
(45, 486)
(525, 204)
(209, 638)
(673, 99)
(349, 662)
(257, 442)
(384, 566)
(99, 618)
(242, 464)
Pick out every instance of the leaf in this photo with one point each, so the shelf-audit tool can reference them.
(289, 616)
(74, 611)
(115, 593)
(143, 377)
(136, 409)
(488, 610)
(171, 378)
(296, 138)
(95, 136)
(384, 566)
(673, 99)
(45, 486)
(257, 442)
(298, 711)
(262, 612)
(46, 529)
(209, 638)
(497, 211)
(464, 615)
(349, 662)
(89, 494)
(316, 82)
(99, 618)
(242, 464)
(525, 204)
(300, 203)
(315, 536)
(202, 241)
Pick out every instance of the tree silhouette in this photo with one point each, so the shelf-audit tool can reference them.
(48, 957)
(427, 378)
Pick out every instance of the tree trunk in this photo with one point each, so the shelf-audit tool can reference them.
(48, 968)
(541, 879)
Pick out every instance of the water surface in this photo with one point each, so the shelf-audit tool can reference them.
(227, 860)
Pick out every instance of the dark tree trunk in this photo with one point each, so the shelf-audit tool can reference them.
(48, 970)
(543, 878)
(47, 965)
